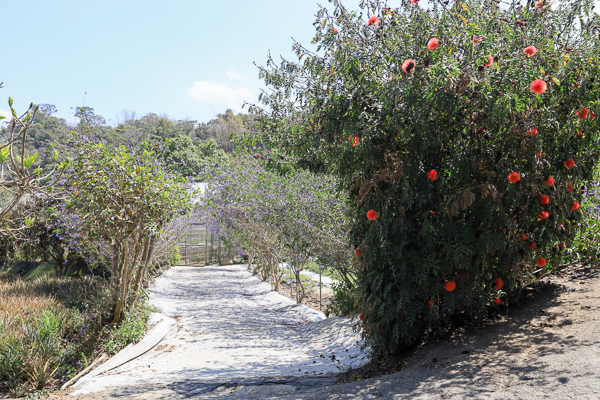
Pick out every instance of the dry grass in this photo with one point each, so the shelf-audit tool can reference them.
(50, 328)
(37, 320)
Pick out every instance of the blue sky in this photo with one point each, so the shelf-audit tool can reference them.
(186, 59)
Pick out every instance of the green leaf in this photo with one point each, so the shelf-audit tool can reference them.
(4, 154)
(30, 160)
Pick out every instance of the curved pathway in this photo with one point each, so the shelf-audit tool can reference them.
(233, 328)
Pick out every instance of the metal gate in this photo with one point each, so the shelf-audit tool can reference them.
(201, 247)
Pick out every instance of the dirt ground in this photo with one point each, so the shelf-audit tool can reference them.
(548, 347)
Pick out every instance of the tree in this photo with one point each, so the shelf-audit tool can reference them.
(18, 177)
(122, 199)
(462, 133)
(182, 156)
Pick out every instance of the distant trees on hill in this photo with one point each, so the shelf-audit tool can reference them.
(188, 145)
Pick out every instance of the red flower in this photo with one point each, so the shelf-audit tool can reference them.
(490, 60)
(514, 177)
(354, 140)
(538, 86)
(391, 78)
(570, 187)
(541, 261)
(430, 302)
(414, 1)
(450, 286)
(360, 317)
(372, 215)
(258, 156)
(544, 215)
(583, 113)
(524, 236)
(580, 134)
(531, 245)
(569, 163)
(544, 199)
(477, 38)
(540, 5)
(433, 43)
(373, 20)
(432, 175)
(575, 206)
(358, 253)
(530, 51)
(550, 181)
(335, 31)
(498, 285)
(497, 301)
(532, 132)
(408, 66)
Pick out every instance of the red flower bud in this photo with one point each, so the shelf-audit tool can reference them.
(550, 181)
(514, 177)
(450, 286)
(569, 163)
(538, 86)
(544, 199)
(575, 206)
(530, 51)
(408, 66)
(358, 253)
(541, 261)
(583, 113)
(432, 175)
(433, 44)
(531, 245)
(430, 302)
(498, 285)
(372, 215)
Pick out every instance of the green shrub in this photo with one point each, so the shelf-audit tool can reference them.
(448, 149)
(132, 329)
(345, 300)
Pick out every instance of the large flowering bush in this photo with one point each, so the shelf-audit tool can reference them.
(468, 129)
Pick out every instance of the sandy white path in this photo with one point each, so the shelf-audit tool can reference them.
(232, 326)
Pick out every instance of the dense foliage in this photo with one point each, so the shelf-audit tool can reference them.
(275, 217)
(463, 133)
(121, 200)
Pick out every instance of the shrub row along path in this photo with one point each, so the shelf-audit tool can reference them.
(546, 348)
(233, 328)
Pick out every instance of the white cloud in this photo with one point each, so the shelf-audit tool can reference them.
(217, 93)
(235, 76)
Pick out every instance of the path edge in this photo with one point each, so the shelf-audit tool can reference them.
(164, 327)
